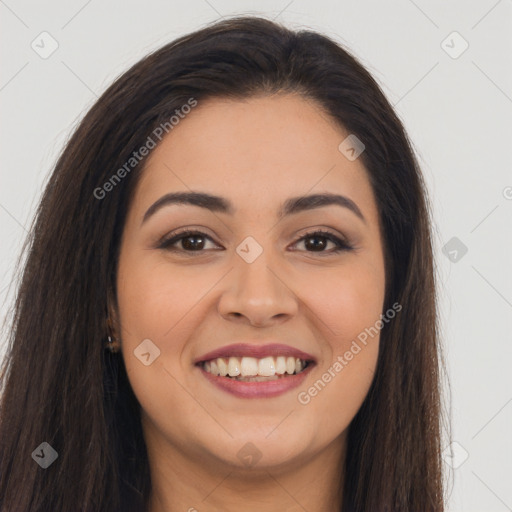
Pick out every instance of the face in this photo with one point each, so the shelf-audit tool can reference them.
(271, 290)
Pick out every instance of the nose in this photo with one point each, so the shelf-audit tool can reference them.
(258, 294)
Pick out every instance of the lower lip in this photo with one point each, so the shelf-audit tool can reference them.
(267, 389)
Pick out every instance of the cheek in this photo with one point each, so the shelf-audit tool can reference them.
(346, 301)
(160, 303)
(153, 297)
(339, 391)
(348, 304)
(155, 303)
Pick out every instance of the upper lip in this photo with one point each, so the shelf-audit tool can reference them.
(258, 351)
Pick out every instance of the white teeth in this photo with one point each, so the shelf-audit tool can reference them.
(267, 367)
(251, 367)
(222, 366)
(280, 365)
(234, 366)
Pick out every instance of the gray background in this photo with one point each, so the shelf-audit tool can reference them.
(456, 107)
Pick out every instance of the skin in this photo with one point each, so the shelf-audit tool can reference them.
(257, 153)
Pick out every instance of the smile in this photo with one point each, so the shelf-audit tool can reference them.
(255, 370)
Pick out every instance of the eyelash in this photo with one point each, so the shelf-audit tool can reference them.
(167, 243)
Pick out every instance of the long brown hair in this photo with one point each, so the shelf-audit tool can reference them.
(58, 383)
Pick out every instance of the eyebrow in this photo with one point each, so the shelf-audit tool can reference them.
(291, 206)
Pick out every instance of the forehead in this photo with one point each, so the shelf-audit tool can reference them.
(257, 151)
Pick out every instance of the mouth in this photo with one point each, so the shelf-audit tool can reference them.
(255, 371)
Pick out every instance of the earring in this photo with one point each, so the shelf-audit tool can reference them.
(112, 345)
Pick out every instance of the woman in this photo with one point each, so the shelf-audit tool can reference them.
(228, 301)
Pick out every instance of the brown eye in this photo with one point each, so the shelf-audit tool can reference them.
(191, 241)
(316, 243)
(319, 240)
(195, 241)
